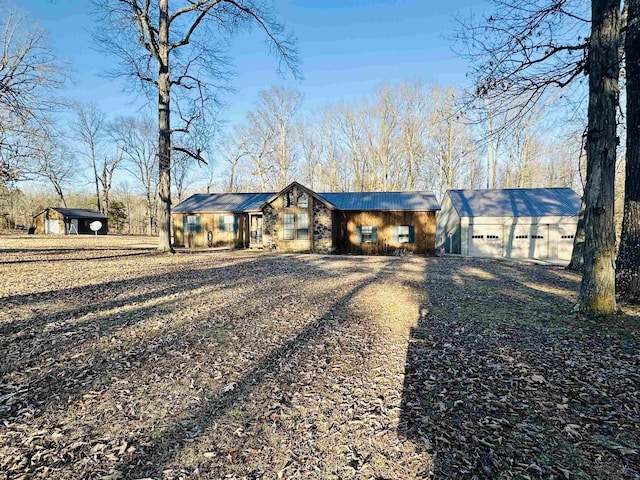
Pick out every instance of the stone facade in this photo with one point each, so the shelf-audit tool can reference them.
(270, 224)
(322, 240)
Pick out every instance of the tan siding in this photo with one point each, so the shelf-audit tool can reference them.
(209, 222)
(424, 228)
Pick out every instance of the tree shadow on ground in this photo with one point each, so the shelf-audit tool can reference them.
(114, 256)
(127, 377)
(34, 348)
(165, 445)
(501, 378)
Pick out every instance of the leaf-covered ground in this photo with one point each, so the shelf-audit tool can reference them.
(119, 363)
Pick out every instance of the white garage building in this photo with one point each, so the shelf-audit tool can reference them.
(511, 222)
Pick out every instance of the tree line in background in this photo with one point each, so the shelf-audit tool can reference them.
(406, 136)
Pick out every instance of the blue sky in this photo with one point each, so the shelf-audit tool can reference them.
(346, 47)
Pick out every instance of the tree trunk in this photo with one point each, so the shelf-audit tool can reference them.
(577, 255)
(150, 215)
(95, 177)
(164, 128)
(597, 290)
(628, 263)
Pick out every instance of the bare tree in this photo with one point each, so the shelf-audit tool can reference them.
(137, 140)
(53, 162)
(29, 72)
(523, 49)
(450, 145)
(235, 148)
(413, 105)
(597, 289)
(109, 165)
(29, 75)
(89, 127)
(526, 48)
(312, 149)
(628, 261)
(259, 138)
(352, 137)
(382, 136)
(170, 52)
(273, 119)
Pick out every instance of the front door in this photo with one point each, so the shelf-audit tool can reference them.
(256, 229)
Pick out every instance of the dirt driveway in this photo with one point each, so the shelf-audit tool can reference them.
(119, 363)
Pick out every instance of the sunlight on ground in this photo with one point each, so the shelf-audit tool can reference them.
(477, 273)
(565, 293)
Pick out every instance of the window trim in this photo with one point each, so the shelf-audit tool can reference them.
(229, 227)
(299, 229)
(192, 224)
(291, 229)
(402, 236)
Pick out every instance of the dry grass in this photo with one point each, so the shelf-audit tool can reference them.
(120, 363)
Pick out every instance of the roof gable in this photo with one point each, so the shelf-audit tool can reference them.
(515, 202)
(308, 191)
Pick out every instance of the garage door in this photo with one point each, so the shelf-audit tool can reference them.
(486, 240)
(530, 241)
(566, 233)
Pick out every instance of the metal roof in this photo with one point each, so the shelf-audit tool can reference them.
(389, 201)
(222, 202)
(363, 201)
(78, 213)
(515, 202)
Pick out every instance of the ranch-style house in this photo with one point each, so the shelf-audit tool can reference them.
(298, 219)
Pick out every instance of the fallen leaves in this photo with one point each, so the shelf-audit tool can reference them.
(241, 365)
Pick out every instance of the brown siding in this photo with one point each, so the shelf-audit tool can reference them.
(209, 222)
(424, 224)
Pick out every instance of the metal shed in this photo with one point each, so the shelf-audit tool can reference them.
(512, 222)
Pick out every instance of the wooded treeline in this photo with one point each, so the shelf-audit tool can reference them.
(405, 136)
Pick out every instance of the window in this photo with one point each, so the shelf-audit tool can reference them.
(477, 236)
(303, 226)
(303, 199)
(402, 234)
(366, 234)
(567, 236)
(191, 223)
(522, 236)
(537, 236)
(288, 231)
(492, 237)
(288, 199)
(227, 223)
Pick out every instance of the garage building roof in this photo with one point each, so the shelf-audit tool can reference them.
(515, 202)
